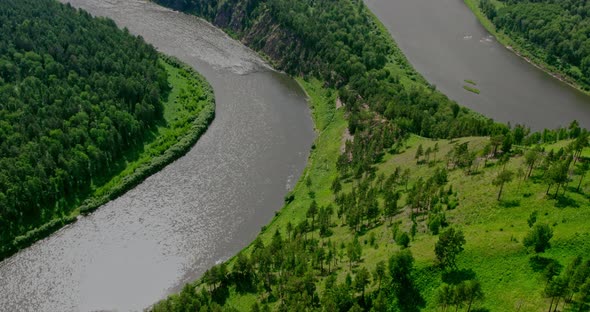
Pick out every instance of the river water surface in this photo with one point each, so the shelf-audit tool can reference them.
(202, 208)
(445, 42)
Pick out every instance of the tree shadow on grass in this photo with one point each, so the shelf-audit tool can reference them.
(539, 264)
(245, 284)
(410, 299)
(564, 201)
(220, 294)
(457, 276)
(510, 203)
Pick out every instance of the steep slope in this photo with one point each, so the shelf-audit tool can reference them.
(386, 182)
(336, 244)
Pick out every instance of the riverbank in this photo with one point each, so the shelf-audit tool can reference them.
(292, 260)
(330, 125)
(189, 108)
(516, 48)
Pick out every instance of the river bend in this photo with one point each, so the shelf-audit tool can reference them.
(201, 209)
(445, 42)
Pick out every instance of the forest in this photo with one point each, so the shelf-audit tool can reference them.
(77, 94)
(426, 205)
(555, 31)
(341, 43)
(409, 201)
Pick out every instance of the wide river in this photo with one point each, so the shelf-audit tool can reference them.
(445, 42)
(210, 203)
(202, 208)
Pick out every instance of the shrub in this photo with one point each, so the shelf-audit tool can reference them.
(403, 240)
(538, 238)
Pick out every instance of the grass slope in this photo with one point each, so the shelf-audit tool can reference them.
(494, 230)
(494, 253)
(189, 108)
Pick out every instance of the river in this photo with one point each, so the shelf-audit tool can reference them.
(201, 209)
(445, 42)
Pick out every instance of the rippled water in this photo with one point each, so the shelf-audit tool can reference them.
(445, 42)
(201, 209)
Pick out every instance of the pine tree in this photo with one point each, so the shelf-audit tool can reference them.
(419, 153)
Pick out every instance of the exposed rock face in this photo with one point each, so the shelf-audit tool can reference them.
(250, 21)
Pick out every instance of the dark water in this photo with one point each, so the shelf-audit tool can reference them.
(201, 209)
(445, 42)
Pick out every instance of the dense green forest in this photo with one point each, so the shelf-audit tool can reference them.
(396, 212)
(77, 97)
(554, 31)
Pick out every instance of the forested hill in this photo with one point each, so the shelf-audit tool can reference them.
(383, 218)
(75, 93)
(555, 32)
(339, 42)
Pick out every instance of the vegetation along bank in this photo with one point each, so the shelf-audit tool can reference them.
(88, 111)
(550, 34)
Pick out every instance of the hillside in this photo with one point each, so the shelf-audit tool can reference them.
(311, 264)
(339, 243)
(342, 44)
(88, 111)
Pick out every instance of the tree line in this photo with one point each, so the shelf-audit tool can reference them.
(555, 30)
(76, 93)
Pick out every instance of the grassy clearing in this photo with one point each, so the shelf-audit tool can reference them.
(189, 108)
(494, 230)
(472, 89)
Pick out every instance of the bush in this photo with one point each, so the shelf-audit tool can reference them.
(452, 204)
(434, 224)
(538, 238)
(403, 240)
(436, 221)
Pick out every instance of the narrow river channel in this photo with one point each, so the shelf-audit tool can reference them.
(445, 42)
(202, 208)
